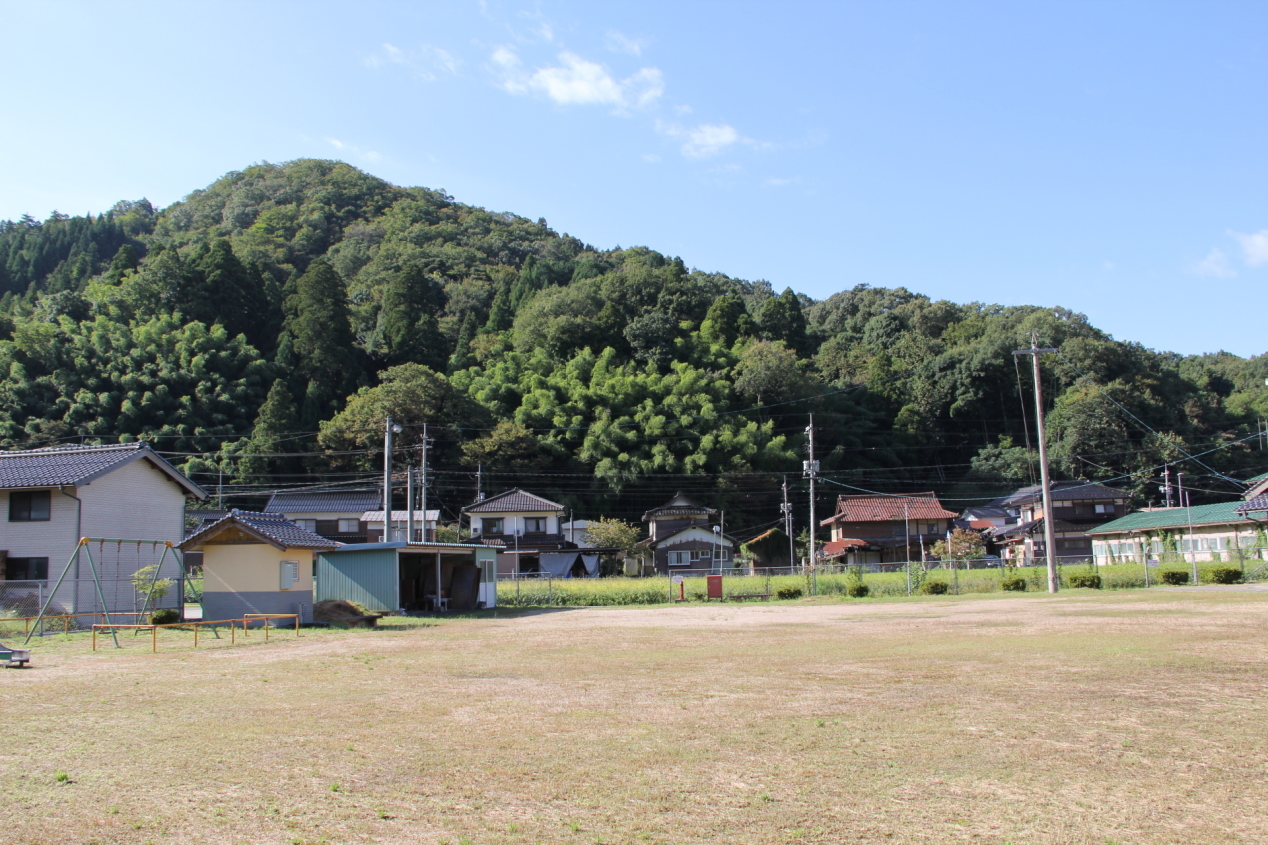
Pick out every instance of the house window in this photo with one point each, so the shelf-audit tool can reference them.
(29, 506)
(680, 558)
(1104, 508)
(491, 526)
(535, 525)
(349, 526)
(26, 569)
(307, 524)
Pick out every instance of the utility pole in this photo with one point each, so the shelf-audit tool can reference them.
(1049, 539)
(786, 510)
(810, 469)
(423, 482)
(409, 504)
(1166, 475)
(388, 430)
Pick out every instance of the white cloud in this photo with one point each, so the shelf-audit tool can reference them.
(577, 81)
(620, 43)
(651, 157)
(427, 62)
(355, 151)
(1215, 264)
(778, 182)
(1254, 247)
(705, 140)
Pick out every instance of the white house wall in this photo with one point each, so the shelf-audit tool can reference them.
(136, 501)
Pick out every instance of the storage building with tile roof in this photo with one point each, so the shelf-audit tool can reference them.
(256, 563)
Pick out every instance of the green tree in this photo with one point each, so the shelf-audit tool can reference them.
(963, 544)
(408, 330)
(769, 372)
(320, 338)
(411, 395)
(260, 458)
(726, 321)
(781, 318)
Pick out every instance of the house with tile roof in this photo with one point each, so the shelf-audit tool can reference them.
(1256, 487)
(680, 537)
(1227, 531)
(256, 563)
(523, 526)
(874, 529)
(1077, 507)
(51, 497)
(331, 513)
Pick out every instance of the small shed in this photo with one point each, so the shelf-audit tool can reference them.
(387, 577)
(256, 563)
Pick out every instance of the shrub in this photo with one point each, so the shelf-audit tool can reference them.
(788, 593)
(1174, 577)
(1223, 575)
(1015, 585)
(1086, 580)
(165, 616)
(858, 591)
(934, 588)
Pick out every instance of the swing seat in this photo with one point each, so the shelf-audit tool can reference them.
(14, 657)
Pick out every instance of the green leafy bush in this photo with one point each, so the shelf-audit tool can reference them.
(1174, 577)
(165, 616)
(858, 591)
(1223, 575)
(1015, 585)
(788, 593)
(1085, 580)
(934, 588)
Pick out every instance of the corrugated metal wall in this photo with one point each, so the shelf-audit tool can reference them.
(370, 578)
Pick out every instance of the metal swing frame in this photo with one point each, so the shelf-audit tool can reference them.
(84, 546)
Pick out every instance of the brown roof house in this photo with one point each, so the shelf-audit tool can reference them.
(868, 528)
(680, 538)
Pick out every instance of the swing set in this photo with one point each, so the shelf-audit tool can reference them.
(84, 547)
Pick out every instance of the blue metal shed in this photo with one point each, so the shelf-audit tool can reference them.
(387, 577)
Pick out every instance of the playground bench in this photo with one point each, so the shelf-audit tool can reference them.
(743, 596)
(14, 657)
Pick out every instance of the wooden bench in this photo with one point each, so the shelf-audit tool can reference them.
(743, 596)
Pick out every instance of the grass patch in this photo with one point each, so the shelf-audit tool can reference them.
(990, 718)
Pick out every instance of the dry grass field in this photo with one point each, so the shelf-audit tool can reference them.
(1130, 717)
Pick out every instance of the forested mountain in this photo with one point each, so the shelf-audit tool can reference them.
(259, 331)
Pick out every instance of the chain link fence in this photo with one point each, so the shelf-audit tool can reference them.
(78, 599)
(897, 578)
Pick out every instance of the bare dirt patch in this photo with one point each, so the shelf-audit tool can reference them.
(1085, 718)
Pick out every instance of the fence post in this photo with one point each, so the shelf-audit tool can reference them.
(909, 578)
(1193, 559)
(550, 590)
(955, 574)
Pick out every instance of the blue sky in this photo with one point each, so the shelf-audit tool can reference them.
(1105, 157)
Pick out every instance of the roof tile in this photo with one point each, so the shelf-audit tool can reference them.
(514, 501)
(869, 508)
(325, 501)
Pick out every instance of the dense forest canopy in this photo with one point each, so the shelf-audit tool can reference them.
(259, 331)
